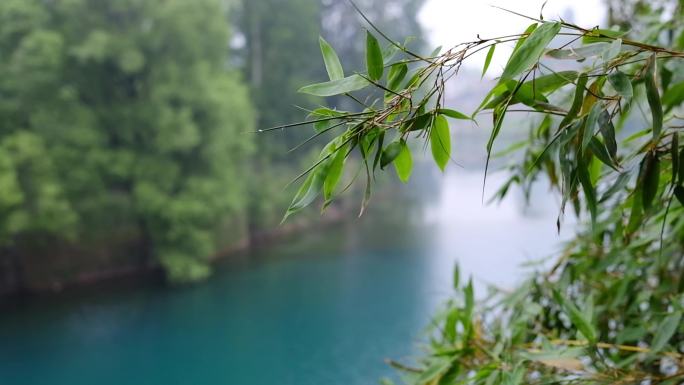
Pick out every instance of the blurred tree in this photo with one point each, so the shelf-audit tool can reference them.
(120, 117)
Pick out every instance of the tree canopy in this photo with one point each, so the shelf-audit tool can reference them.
(121, 120)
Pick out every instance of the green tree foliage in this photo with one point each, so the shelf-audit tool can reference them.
(607, 138)
(121, 115)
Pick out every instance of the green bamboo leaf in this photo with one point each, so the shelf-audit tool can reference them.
(667, 328)
(681, 166)
(336, 87)
(576, 103)
(579, 53)
(621, 83)
(334, 173)
(679, 194)
(588, 188)
(396, 75)
(390, 153)
(309, 190)
(653, 97)
(435, 371)
(608, 133)
(453, 114)
(530, 50)
(488, 59)
(332, 62)
(674, 96)
(374, 62)
(674, 153)
(403, 163)
(589, 126)
(440, 141)
(649, 175)
(576, 317)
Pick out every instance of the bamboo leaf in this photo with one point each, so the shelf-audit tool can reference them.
(530, 50)
(334, 173)
(621, 83)
(679, 194)
(396, 75)
(488, 59)
(649, 175)
(336, 87)
(674, 153)
(667, 328)
(576, 103)
(403, 164)
(674, 96)
(589, 125)
(332, 62)
(653, 97)
(576, 317)
(390, 153)
(453, 114)
(374, 62)
(440, 141)
(588, 188)
(608, 133)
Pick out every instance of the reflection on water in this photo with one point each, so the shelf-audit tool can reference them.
(326, 308)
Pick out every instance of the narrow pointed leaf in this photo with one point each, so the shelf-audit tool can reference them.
(453, 114)
(332, 62)
(334, 173)
(576, 317)
(374, 62)
(440, 141)
(649, 175)
(488, 59)
(396, 75)
(336, 87)
(608, 133)
(667, 328)
(530, 50)
(403, 163)
(653, 97)
(621, 83)
(390, 153)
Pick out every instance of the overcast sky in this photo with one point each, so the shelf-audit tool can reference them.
(449, 22)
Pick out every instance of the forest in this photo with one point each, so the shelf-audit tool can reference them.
(127, 129)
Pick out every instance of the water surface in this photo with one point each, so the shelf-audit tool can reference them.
(325, 308)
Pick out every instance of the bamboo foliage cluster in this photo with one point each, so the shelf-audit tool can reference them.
(610, 310)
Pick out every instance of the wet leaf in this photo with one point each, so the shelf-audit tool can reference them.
(440, 141)
(530, 50)
(374, 62)
(332, 62)
(390, 153)
(653, 97)
(334, 173)
(453, 114)
(608, 133)
(403, 163)
(621, 83)
(576, 317)
(488, 59)
(396, 75)
(336, 87)
(665, 331)
(649, 176)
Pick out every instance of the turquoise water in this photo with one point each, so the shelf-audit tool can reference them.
(317, 310)
(323, 308)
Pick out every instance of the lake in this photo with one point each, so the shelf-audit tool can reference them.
(323, 308)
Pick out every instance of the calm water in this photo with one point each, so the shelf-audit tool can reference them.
(326, 308)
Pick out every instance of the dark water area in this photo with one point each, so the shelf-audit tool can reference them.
(325, 307)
